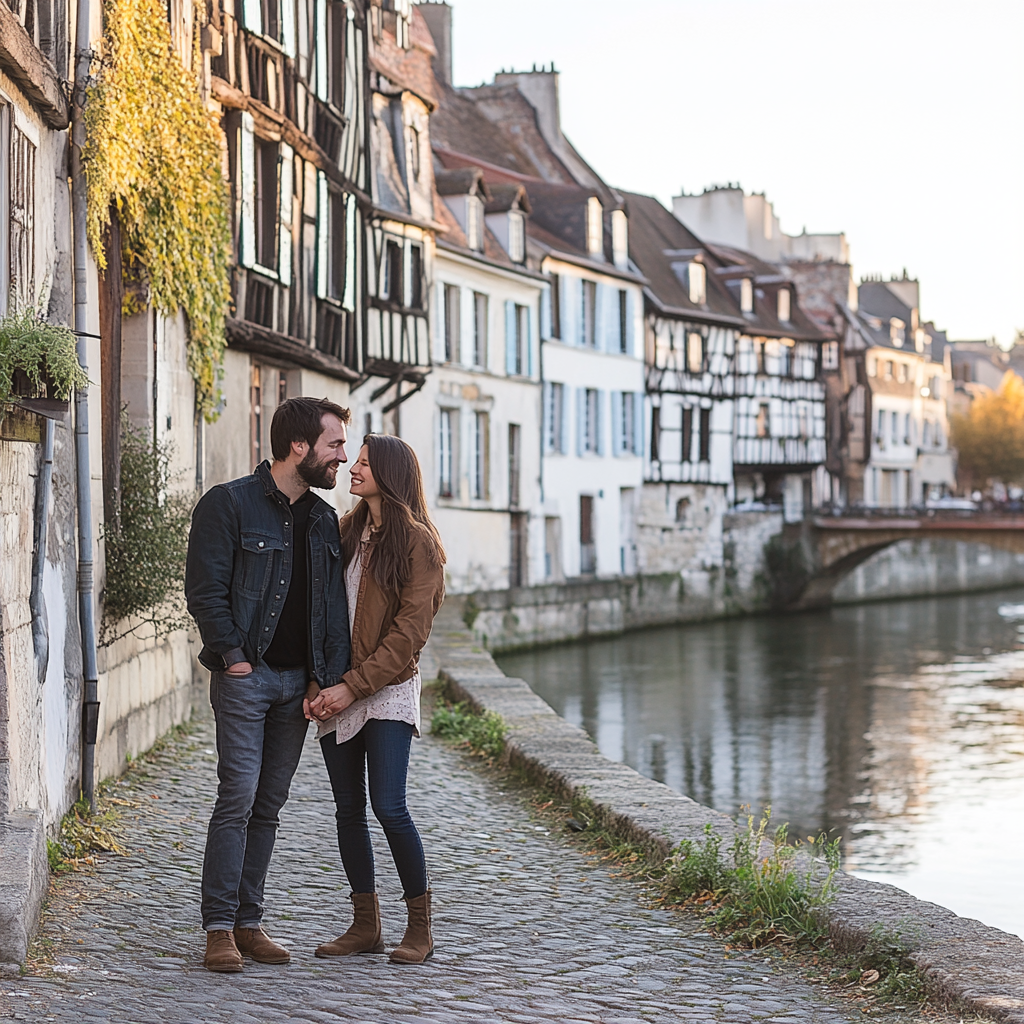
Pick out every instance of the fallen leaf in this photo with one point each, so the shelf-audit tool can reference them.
(869, 977)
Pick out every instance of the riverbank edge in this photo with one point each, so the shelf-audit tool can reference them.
(964, 962)
(534, 618)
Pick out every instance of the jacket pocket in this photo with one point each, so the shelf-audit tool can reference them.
(257, 561)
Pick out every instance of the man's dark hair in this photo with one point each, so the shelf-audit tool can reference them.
(299, 419)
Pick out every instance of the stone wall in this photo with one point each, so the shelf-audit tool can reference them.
(919, 568)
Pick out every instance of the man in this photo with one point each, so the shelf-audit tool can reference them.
(264, 582)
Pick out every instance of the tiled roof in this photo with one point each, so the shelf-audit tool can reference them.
(409, 69)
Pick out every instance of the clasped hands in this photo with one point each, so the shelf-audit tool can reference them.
(322, 705)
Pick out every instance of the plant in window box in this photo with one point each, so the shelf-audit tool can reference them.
(39, 366)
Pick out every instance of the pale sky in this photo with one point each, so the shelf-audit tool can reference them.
(899, 122)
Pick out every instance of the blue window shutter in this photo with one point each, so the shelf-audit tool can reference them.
(545, 312)
(545, 416)
(630, 330)
(600, 319)
(528, 340)
(616, 422)
(581, 420)
(510, 337)
(638, 423)
(563, 440)
(601, 431)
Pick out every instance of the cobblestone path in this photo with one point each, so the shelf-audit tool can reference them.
(527, 927)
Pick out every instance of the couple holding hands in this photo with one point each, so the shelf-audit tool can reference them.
(305, 619)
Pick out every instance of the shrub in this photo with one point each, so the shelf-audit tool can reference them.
(146, 546)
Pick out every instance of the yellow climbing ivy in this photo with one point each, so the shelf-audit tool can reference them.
(153, 150)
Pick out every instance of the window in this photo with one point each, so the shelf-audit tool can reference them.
(414, 160)
(337, 19)
(897, 332)
(556, 306)
(697, 283)
(908, 437)
(830, 355)
(403, 22)
(444, 454)
(393, 276)
(686, 454)
(655, 433)
(620, 238)
(880, 432)
(895, 427)
(746, 295)
(588, 549)
(336, 245)
(478, 467)
(21, 218)
(623, 320)
(627, 423)
(474, 223)
(452, 298)
(784, 302)
(763, 423)
(415, 277)
(785, 358)
(889, 367)
(555, 418)
(705, 435)
(872, 367)
(256, 415)
(901, 373)
(517, 339)
(514, 460)
(516, 237)
(695, 352)
(480, 330)
(926, 434)
(588, 313)
(595, 226)
(266, 203)
(591, 424)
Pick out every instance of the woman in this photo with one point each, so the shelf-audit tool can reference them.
(394, 580)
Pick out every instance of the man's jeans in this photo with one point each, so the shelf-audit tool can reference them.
(260, 732)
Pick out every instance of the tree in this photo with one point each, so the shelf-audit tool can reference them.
(990, 438)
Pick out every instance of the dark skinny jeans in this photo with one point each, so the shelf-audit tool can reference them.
(380, 751)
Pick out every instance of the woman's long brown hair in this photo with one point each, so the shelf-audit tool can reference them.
(403, 513)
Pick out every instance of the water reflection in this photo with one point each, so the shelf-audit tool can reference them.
(900, 726)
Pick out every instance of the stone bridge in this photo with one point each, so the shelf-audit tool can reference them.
(833, 546)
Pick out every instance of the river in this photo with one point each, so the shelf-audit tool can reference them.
(898, 726)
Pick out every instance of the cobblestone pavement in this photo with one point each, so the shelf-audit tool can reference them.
(528, 928)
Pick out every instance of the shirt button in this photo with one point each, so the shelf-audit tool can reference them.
(273, 615)
(266, 629)
(287, 524)
(285, 544)
(259, 544)
(277, 597)
(282, 583)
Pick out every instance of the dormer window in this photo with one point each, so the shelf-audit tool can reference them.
(516, 236)
(620, 239)
(897, 332)
(784, 302)
(746, 295)
(474, 223)
(595, 227)
(697, 283)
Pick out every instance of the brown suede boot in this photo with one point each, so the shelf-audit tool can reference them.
(417, 944)
(364, 934)
(221, 953)
(256, 944)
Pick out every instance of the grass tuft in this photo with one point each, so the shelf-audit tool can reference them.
(460, 724)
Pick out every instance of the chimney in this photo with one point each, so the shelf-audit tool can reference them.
(438, 17)
(541, 90)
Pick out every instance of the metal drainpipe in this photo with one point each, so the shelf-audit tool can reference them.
(37, 606)
(86, 612)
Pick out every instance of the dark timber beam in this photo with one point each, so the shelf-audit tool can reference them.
(21, 59)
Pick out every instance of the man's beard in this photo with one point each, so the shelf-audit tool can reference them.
(318, 474)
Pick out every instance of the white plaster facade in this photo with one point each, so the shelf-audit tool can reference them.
(475, 425)
(593, 427)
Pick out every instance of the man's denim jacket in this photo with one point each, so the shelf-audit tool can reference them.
(239, 569)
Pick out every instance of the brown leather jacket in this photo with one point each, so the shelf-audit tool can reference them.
(390, 629)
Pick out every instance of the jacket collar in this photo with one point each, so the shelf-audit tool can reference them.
(270, 488)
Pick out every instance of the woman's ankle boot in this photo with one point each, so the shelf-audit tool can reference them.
(364, 934)
(418, 943)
